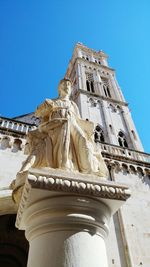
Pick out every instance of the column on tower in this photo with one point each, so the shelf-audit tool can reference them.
(118, 87)
(106, 120)
(81, 76)
(116, 90)
(112, 126)
(97, 83)
(137, 145)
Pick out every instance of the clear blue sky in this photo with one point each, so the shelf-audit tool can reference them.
(37, 40)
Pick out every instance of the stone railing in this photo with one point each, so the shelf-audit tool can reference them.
(16, 126)
(113, 150)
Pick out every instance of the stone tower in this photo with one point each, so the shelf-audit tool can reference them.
(99, 98)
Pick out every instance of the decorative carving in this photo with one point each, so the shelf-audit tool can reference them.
(61, 181)
(98, 134)
(100, 189)
(118, 166)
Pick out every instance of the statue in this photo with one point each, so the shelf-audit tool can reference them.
(63, 140)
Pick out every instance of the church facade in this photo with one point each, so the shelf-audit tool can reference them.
(99, 98)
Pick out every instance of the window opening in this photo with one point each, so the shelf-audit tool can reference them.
(108, 91)
(98, 135)
(17, 145)
(92, 87)
(106, 86)
(90, 82)
(122, 140)
(5, 143)
(105, 90)
(87, 85)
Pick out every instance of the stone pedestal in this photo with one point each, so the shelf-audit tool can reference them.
(66, 217)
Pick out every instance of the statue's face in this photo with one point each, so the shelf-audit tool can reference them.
(65, 88)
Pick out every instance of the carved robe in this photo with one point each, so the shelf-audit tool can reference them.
(65, 140)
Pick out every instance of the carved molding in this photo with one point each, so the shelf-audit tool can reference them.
(77, 183)
(72, 183)
(79, 187)
(22, 193)
(102, 97)
(122, 166)
(124, 159)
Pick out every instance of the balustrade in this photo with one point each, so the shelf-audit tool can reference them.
(118, 151)
(15, 126)
(111, 149)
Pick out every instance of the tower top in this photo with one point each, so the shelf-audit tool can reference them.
(83, 47)
(89, 56)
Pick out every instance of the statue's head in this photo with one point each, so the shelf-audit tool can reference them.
(64, 87)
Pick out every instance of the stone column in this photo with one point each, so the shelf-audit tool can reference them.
(130, 126)
(79, 75)
(97, 82)
(66, 217)
(83, 77)
(106, 120)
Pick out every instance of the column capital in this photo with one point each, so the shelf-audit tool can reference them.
(59, 181)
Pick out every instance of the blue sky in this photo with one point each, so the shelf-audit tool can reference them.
(37, 40)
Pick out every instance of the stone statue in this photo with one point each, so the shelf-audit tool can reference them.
(63, 140)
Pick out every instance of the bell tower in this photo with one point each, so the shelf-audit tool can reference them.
(99, 98)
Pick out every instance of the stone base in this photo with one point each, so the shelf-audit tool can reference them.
(66, 217)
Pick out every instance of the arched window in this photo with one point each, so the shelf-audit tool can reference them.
(90, 82)
(98, 135)
(5, 143)
(122, 140)
(17, 145)
(106, 86)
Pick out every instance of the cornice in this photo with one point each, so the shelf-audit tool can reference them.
(126, 160)
(102, 97)
(90, 50)
(77, 183)
(75, 60)
(12, 133)
(59, 181)
(94, 64)
(17, 121)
